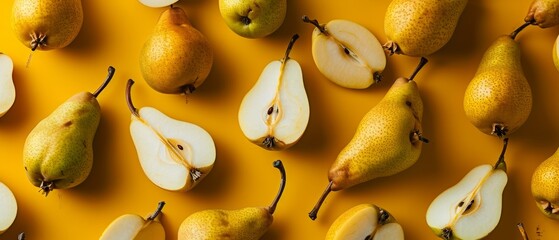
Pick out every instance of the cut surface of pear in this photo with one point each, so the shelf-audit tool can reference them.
(471, 209)
(8, 207)
(275, 112)
(365, 221)
(7, 88)
(174, 155)
(133, 226)
(158, 3)
(347, 53)
(46, 25)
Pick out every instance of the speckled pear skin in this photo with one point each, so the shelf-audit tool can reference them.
(383, 143)
(59, 21)
(545, 186)
(421, 27)
(499, 92)
(243, 224)
(59, 149)
(544, 13)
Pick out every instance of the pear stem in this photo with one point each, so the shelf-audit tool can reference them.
(157, 211)
(500, 164)
(315, 23)
(422, 63)
(21, 236)
(129, 98)
(106, 82)
(314, 211)
(522, 231)
(290, 46)
(279, 165)
(515, 32)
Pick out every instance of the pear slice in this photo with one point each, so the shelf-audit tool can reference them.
(158, 3)
(7, 88)
(8, 207)
(133, 226)
(275, 112)
(175, 155)
(471, 209)
(365, 221)
(347, 53)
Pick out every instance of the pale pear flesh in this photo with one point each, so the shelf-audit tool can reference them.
(133, 226)
(8, 207)
(347, 53)
(365, 221)
(275, 112)
(47, 25)
(157, 3)
(7, 88)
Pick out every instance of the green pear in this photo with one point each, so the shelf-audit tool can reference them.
(387, 141)
(498, 100)
(58, 152)
(46, 24)
(545, 186)
(544, 13)
(249, 223)
(176, 58)
(421, 27)
(253, 18)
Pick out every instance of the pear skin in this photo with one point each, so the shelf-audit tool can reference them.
(46, 24)
(58, 152)
(387, 140)
(544, 13)
(421, 27)
(498, 100)
(176, 58)
(545, 186)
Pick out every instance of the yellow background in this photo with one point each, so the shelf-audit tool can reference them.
(113, 34)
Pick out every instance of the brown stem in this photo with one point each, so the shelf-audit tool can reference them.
(106, 82)
(314, 211)
(46, 187)
(279, 165)
(290, 46)
(157, 211)
(133, 109)
(21, 236)
(500, 164)
(422, 63)
(515, 32)
(522, 231)
(500, 130)
(315, 23)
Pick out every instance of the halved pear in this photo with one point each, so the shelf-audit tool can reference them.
(8, 207)
(158, 3)
(175, 155)
(347, 53)
(365, 221)
(471, 209)
(275, 112)
(133, 226)
(7, 88)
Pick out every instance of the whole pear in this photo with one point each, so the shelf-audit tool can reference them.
(46, 24)
(387, 140)
(58, 152)
(545, 186)
(249, 223)
(544, 13)
(421, 27)
(498, 100)
(176, 58)
(253, 18)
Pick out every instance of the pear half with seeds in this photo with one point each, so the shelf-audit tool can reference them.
(134, 226)
(365, 221)
(174, 155)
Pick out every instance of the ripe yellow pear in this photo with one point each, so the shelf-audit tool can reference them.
(498, 100)
(58, 152)
(177, 58)
(387, 141)
(249, 223)
(46, 24)
(545, 186)
(420, 27)
(544, 13)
